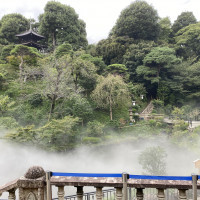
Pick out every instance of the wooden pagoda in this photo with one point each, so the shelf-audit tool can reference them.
(30, 38)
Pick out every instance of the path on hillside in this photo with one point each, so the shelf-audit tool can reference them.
(193, 124)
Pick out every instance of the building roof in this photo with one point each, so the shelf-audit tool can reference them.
(30, 32)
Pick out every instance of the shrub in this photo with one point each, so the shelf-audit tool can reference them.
(95, 128)
(35, 100)
(180, 125)
(8, 123)
(91, 140)
(152, 122)
(158, 105)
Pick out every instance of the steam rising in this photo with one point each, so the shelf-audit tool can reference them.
(116, 158)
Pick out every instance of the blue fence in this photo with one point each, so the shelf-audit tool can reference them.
(177, 178)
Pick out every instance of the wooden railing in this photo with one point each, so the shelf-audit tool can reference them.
(39, 188)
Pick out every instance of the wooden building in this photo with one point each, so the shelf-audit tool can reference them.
(31, 38)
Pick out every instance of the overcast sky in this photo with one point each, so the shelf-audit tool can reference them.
(100, 15)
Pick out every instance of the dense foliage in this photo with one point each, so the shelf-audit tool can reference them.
(138, 21)
(76, 94)
(60, 23)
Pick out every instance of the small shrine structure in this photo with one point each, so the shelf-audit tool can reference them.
(30, 38)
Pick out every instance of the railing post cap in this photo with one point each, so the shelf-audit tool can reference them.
(48, 173)
(125, 174)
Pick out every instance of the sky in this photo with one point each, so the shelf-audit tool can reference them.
(100, 15)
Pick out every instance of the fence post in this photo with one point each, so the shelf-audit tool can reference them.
(48, 177)
(194, 186)
(125, 177)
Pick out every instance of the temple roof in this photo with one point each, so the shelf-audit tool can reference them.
(30, 32)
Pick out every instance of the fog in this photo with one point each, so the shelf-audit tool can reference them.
(116, 158)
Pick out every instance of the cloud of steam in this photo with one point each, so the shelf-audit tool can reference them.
(116, 158)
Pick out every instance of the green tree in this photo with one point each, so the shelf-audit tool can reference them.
(95, 129)
(60, 134)
(118, 69)
(157, 65)
(63, 49)
(57, 82)
(165, 29)
(139, 21)
(97, 61)
(158, 105)
(110, 92)
(187, 41)
(6, 104)
(185, 82)
(183, 20)
(23, 51)
(134, 57)
(83, 72)
(10, 25)
(1, 80)
(113, 49)
(6, 50)
(23, 135)
(60, 23)
(153, 160)
(78, 106)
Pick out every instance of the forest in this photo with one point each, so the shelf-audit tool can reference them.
(73, 93)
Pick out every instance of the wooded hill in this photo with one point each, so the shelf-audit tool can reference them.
(76, 93)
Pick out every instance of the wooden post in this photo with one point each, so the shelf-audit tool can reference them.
(194, 186)
(48, 182)
(79, 193)
(99, 193)
(125, 191)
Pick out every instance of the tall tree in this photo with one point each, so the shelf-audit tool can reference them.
(183, 20)
(113, 49)
(165, 29)
(110, 92)
(134, 57)
(157, 64)
(185, 81)
(139, 21)
(83, 73)
(187, 41)
(10, 25)
(57, 80)
(60, 23)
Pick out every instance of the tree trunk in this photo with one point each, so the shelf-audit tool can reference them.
(53, 103)
(111, 117)
(54, 39)
(25, 78)
(21, 67)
